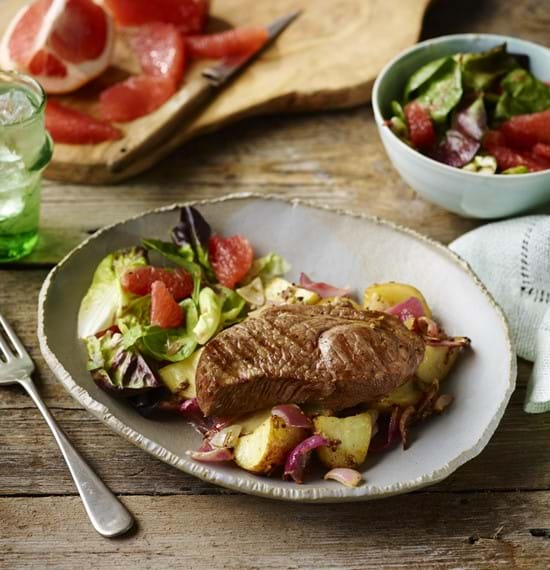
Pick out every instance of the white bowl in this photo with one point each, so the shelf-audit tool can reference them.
(329, 245)
(465, 193)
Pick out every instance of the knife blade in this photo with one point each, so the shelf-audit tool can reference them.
(189, 100)
(229, 67)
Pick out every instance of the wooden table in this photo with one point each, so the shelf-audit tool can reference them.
(495, 511)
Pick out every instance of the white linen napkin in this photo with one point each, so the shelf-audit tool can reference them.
(512, 258)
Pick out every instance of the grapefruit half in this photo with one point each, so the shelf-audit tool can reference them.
(62, 43)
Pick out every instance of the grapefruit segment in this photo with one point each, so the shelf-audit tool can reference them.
(524, 131)
(165, 312)
(231, 258)
(160, 50)
(49, 35)
(188, 15)
(74, 127)
(139, 281)
(239, 41)
(421, 129)
(135, 97)
(45, 63)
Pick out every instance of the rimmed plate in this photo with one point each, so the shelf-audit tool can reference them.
(335, 246)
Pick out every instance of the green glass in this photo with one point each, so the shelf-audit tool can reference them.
(25, 150)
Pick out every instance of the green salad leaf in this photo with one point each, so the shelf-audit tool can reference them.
(442, 91)
(117, 369)
(522, 93)
(267, 267)
(210, 313)
(233, 307)
(422, 76)
(481, 70)
(106, 298)
(172, 345)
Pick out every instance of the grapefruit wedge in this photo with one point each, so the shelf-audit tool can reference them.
(235, 42)
(188, 15)
(70, 126)
(160, 50)
(62, 43)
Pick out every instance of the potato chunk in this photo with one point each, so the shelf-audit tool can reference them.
(436, 364)
(267, 446)
(179, 377)
(406, 395)
(281, 291)
(353, 433)
(381, 296)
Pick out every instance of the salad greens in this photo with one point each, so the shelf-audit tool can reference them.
(450, 104)
(106, 299)
(121, 320)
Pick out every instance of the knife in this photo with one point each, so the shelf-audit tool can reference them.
(194, 96)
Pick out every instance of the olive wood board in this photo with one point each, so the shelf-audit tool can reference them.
(328, 58)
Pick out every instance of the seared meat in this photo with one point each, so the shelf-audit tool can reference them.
(334, 355)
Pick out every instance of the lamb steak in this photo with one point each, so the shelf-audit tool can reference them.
(334, 355)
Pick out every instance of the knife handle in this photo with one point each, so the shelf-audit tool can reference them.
(181, 106)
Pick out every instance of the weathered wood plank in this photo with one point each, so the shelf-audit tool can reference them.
(31, 464)
(468, 531)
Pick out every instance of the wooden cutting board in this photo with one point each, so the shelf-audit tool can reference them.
(328, 58)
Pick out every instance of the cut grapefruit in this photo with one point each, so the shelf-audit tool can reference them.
(140, 280)
(135, 97)
(188, 15)
(238, 41)
(231, 258)
(165, 312)
(160, 50)
(74, 127)
(62, 43)
(161, 53)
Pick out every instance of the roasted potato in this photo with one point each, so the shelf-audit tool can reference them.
(406, 395)
(267, 446)
(353, 434)
(280, 291)
(436, 364)
(340, 301)
(179, 377)
(251, 421)
(381, 296)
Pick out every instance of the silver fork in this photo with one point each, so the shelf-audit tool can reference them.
(107, 514)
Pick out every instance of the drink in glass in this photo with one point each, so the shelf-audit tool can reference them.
(25, 150)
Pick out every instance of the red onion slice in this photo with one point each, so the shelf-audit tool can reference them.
(292, 415)
(226, 437)
(344, 475)
(450, 342)
(297, 459)
(322, 289)
(411, 308)
(214, 455)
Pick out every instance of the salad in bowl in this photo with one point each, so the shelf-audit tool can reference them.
(275, 375)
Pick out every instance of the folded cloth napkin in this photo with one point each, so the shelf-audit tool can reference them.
(512, 258)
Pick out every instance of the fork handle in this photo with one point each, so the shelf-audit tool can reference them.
(107, 514)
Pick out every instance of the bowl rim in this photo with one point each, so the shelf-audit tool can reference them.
(299, 493)
(445, 168)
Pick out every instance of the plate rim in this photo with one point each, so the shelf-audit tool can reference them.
(299, 493)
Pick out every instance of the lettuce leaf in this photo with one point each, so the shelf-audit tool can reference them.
(116, 369)
(522, 93)
(170, 345)
(210, 307)
(481, 70)
(443, 91)
(267, 267)
(233, 307)
(106, 298)
(420, 77)
(194, 231)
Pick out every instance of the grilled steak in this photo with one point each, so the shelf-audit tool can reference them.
(334, 355)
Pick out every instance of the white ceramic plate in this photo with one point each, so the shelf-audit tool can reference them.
(337, 247)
